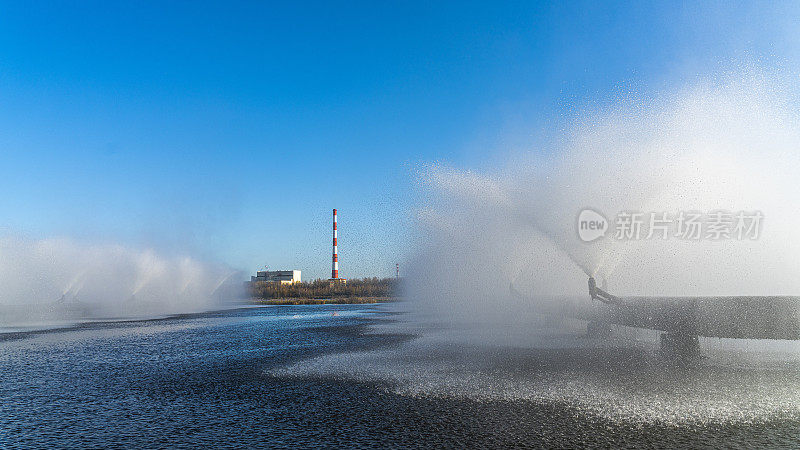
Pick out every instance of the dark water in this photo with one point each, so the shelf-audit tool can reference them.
(300, 376)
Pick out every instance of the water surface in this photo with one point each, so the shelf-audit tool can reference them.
(301, 375)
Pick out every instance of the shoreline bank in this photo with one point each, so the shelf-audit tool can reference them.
(322, 301)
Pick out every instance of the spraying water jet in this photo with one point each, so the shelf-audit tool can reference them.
(728, 144)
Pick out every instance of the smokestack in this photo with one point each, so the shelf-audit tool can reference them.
(335, 268)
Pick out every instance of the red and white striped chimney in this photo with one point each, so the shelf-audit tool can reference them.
(335, 268)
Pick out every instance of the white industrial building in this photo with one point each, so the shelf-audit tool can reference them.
(277, 276)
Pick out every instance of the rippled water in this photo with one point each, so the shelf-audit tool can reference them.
(299, 375)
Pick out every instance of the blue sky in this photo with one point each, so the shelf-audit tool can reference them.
(229, 130)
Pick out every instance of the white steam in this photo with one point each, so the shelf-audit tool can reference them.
(42, 281)
(732, 144)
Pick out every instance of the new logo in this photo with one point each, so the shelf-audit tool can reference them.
(591, 225)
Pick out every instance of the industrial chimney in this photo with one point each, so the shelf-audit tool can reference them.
(335, 264)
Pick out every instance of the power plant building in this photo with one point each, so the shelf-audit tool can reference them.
(277, 276)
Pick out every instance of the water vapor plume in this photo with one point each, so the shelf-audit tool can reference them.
(729, 143)
(49, 280)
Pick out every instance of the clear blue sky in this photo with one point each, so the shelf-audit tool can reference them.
(230, 130)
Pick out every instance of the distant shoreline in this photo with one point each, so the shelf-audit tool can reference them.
(322, 301)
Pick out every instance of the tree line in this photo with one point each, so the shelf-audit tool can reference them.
(322, 289)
